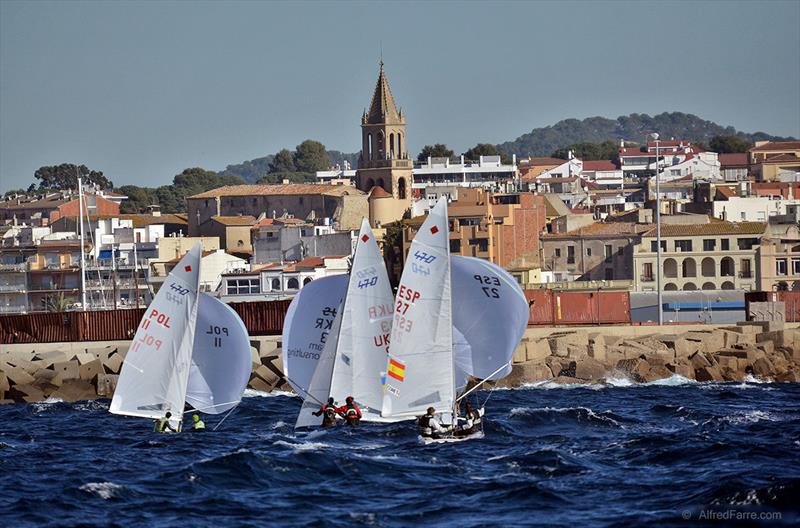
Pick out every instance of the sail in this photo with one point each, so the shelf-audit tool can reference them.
(366, 325)
(420, 370)
(490, 312)
(221, 360)
(155, 372)
(307, 327)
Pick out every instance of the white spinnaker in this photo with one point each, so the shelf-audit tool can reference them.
(491, 313)
(366, 326)
(307, 327)
(221, 360)
(420, 371)
(155, 372)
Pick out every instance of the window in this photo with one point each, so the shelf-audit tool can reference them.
(307, 280)
(709, 244)
(482, 243)
(725, 244)
(455, 246)
(780, 267)
(588, 252)
(743, 215)
(795, 266)
(292, 284)
(675, 172)
(654, 246)
(570, 254)
(558, 252)
(621, 251)
(609, 252)
(683, 245)
(243, 286)
(647, 271)
(746, 272)
(276, 284)
(609, 274)
(747, 243)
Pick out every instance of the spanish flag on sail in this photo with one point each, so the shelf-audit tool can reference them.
(397, 370)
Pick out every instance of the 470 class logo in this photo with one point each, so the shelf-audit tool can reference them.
(422, 269)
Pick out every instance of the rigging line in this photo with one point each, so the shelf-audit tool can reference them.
(487, 378)
(290, 380)
(224, 417)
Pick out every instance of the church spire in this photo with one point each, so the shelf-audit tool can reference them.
(383, 108)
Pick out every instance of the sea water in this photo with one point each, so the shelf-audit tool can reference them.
(670, 453)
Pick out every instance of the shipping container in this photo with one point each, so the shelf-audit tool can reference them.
(791, 300)
(549, 307)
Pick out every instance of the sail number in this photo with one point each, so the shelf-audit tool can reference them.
(325, 323)
(217, 332)
(366, 283)
(488, 285)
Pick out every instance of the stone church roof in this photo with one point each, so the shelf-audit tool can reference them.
(383, 108)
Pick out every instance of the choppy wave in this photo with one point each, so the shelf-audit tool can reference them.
(607, 454)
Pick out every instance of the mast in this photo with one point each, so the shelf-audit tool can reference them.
(135, 273)
(83, 257)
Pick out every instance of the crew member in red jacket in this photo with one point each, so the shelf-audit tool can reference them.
(350, 412)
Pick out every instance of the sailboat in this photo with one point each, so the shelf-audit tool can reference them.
(190, 348)
(354, 352)
(432, 355)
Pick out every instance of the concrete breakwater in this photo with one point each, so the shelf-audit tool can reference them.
(80, 371)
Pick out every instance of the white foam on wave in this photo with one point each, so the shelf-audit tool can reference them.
(307, 446)
(561, 410)
(104, 490)
(749, 417)
(252, 393)
(676, 380)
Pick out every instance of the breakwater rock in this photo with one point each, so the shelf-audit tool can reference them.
(81, 371)
(731, 353)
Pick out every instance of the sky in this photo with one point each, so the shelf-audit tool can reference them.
(142, 90)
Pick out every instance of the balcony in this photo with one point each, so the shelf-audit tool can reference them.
(648, 278)
(745, 274)
(18, 288)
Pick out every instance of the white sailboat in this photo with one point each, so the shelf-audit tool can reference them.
(189, 348)
(355, 353)
(455, 318)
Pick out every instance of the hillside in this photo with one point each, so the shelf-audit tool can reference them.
(633, 128)
(251, 171)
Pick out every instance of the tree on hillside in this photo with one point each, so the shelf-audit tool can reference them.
(607, 150)
(728, 144)
(65, 176)
(139, 199)
(439, 150)
(485, 149)
(310, 156)
(283, 162)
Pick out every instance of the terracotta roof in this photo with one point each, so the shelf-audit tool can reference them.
(780, 158)
(311, 262)
(727, 192)
(559, 179)
(44, 203)
(712, 228)
(777, 145)
(287, 189)
(604, 229)
(234, 220)
(734, 160)
(599, 165)
(379, 192)
(141, 220)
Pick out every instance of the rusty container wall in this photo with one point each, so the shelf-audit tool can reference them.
(108, 325)
(262, 318)
(574, 308)
(37, 328)
(540, 307)
(613, 307)
(791, 300)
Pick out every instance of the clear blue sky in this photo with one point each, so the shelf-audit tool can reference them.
(142, 90)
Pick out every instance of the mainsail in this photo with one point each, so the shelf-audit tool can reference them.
(420, 370)
(307, 328)
(354, 357)
(221, 360)
(155, 372)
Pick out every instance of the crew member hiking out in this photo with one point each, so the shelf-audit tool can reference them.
(161, 425)
(429, 426)
(350, 412)
(328, 412)
(197, 423)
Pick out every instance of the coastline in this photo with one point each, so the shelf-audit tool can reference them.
(639, 354)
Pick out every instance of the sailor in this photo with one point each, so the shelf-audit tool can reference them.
(162, 424)
(471, 418)
(350, 412)
(197, 423)
(429, 426)
(329, 412)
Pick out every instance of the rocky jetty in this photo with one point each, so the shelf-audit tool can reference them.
(82, 371)
(762, 350)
